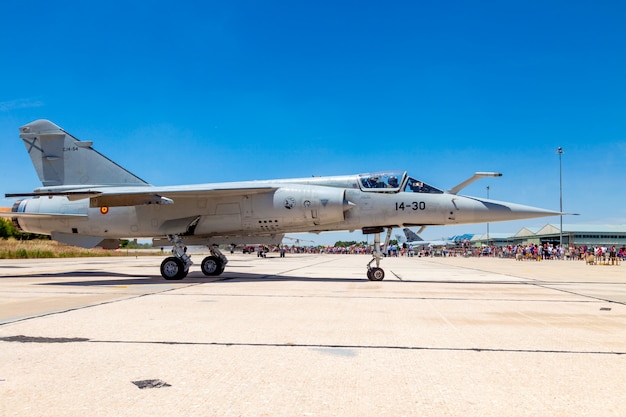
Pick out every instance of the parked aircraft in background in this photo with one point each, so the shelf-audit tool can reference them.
(88, 200)
(412, 239)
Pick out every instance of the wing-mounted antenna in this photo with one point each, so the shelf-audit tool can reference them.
(475, 177)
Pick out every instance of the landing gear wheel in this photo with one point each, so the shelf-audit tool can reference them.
(173, 268)
(212, 266)
(375, 274)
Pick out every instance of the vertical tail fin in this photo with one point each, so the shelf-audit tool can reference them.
(62, 160)
(411, 236)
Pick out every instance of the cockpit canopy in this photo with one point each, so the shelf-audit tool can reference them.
(393, 182)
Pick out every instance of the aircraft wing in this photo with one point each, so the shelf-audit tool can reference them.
(168, 195)
(42, 216)
(144, 195)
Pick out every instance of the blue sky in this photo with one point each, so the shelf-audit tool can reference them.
(195, 92)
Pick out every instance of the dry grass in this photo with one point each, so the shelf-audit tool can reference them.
(29, 249)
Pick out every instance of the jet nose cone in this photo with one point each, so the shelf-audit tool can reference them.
(478, 210)
(501, 211)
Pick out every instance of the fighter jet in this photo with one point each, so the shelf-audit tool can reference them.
(88, 200)
(413, 239)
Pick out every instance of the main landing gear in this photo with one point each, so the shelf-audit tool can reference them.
(377, 273)
(176, 267)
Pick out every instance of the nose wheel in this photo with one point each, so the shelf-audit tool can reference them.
(375, 274)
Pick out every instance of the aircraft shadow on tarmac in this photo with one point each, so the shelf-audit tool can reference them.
(119, 279)
(112, 279)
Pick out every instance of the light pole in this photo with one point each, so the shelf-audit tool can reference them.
(560, 152)
(487, 222)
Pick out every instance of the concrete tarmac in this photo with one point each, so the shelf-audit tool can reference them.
(308, 335)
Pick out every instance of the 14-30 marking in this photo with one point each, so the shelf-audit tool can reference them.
(415, 205)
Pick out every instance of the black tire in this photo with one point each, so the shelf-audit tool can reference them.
(172, 269)
(212, 266)
(375, 274)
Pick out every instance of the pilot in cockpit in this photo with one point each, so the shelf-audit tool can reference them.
(416, 186)
(372, 182)
(393, 182)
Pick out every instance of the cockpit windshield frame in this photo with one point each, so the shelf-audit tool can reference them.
(393, 182)
(382, 182)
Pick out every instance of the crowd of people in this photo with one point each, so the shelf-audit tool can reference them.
(530, 251)
(549, 251)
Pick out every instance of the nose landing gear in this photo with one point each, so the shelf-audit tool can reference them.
(377, 273)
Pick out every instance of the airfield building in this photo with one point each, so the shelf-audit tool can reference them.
(573, 235)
